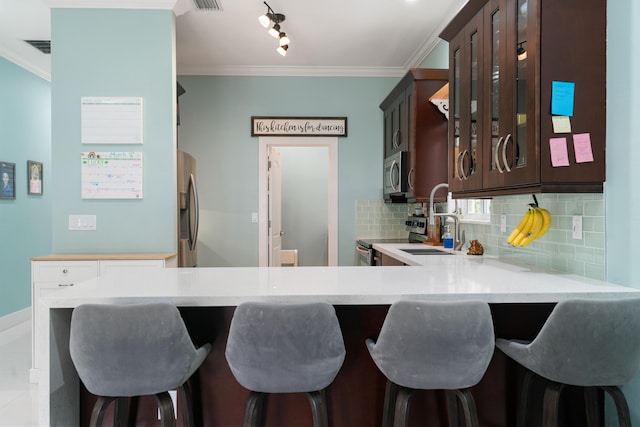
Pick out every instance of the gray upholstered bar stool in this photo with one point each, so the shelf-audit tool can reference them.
(587, 343)
(285, 348)
(124, 351)
(428, 345)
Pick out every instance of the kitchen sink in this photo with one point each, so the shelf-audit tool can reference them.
(425, 251)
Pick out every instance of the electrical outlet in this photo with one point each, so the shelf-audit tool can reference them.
(577, 227)
(503, 223)
(254, 217)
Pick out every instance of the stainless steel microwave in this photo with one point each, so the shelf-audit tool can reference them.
(395, 175)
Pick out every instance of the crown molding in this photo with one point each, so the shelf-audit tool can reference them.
(22, 62)
(111, 4)
(291, 71)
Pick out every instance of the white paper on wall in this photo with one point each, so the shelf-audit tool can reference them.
(111, 175)
(111, 120)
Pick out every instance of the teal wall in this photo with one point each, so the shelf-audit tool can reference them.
(623, 149)
(112, 52)
(25, 223)
(215, 127)
(438, 57)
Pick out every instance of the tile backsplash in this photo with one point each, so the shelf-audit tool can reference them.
(556, 250)
(376, 219)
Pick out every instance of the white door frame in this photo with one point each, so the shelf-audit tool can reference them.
(264, 142)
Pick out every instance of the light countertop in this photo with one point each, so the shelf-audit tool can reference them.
(440, 278)
(105, 257)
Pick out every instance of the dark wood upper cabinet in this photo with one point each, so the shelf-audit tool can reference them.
(504, 56)
(416, 126)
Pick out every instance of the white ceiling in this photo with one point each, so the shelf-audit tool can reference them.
(330, 37)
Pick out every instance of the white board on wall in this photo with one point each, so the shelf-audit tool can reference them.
(111, 120)
(111, 175)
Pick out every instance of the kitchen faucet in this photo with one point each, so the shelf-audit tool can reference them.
(457, 245)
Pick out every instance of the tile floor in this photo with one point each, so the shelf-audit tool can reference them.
(18, 397)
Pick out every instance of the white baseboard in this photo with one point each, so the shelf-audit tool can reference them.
(14, 319)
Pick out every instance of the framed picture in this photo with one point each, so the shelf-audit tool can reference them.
(34, 174)
(8, 182)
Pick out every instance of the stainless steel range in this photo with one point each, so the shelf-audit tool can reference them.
(415, 224)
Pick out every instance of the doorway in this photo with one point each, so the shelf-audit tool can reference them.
(266, 144)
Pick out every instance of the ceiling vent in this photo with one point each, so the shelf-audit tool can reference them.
(43, 46)
(208, 5)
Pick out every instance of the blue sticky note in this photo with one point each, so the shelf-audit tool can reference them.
(562, 98)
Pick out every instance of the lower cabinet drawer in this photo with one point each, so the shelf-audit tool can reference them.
(64, 272)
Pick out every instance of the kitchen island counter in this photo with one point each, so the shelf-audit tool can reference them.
(363, 291)
(441, 277)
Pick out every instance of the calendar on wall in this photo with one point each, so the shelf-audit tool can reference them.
(111, 175)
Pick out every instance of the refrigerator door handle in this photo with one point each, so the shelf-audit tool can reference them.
(194, 230)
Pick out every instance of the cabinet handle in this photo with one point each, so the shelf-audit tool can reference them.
(464, 176)
(496, 158)
(396, 138)
(393, 166)
(504, 153)
(64, 285)
(458, 164)
(65, 271)
(410, 178)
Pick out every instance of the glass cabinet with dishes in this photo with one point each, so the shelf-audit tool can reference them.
(504, 57)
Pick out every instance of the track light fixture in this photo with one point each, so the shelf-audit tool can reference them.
(282, 50)
(276, 18)
(284, 40)
(275, 30)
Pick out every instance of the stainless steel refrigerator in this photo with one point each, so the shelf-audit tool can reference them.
(188, 215)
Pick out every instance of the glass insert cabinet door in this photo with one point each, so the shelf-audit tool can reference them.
(512, 34)
(465, 86)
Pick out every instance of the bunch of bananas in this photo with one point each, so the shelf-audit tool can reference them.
(534, 224)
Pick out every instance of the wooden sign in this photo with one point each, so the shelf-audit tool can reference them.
(298, 126)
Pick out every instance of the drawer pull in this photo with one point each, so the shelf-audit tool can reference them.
(65, 271)
(64, 285)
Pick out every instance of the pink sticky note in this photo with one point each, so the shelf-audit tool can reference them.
(582, 147)
(559, 155)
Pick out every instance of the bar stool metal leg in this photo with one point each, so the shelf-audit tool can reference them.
(452, 408)
(165, 405)
(97, 414)
(319, 408)
(592, 406)
(402, 406)
(551, 403)
(184, 395)
(390, 397)
(523, 399)
(468, 407)
(624, 418)
(254, 409)
(122, 412)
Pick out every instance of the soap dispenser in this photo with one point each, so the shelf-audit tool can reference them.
(447, 238)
